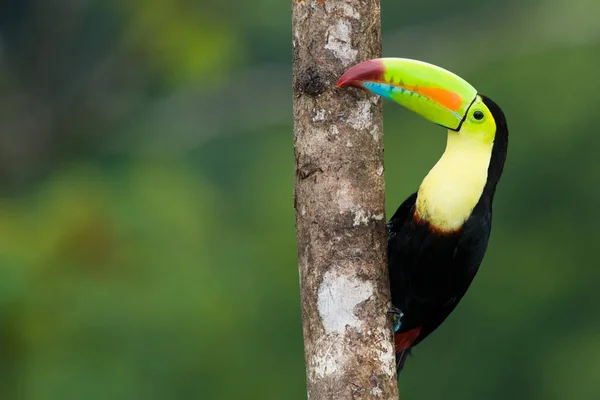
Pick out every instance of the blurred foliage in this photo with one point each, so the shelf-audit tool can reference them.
(147, 246)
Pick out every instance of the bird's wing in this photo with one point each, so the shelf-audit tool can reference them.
(472, 244)
(468, 255)
(401, 215)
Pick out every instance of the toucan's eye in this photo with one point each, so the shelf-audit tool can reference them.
(478, 115)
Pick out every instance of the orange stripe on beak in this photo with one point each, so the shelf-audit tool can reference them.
(445, 98)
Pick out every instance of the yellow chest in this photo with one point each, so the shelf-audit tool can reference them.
(453, 187)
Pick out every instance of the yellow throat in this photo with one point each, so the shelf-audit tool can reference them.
(455, 184)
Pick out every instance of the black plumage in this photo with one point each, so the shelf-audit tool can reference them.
(431, 270)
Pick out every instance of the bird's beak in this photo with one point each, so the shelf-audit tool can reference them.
(432, 92)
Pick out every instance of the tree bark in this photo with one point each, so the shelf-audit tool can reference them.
(340, 204)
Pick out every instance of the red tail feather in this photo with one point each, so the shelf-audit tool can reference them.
(404, 340)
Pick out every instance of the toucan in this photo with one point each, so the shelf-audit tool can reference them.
(439, 235)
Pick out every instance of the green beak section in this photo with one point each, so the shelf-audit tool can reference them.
(430, 91)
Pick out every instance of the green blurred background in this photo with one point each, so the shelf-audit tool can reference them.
(147, 243)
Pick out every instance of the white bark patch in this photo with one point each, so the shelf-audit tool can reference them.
(340, 43)
(338, 296)
(363, 217)
(379, 171)
(360, 217)
(361, 118)
(319, 116)
(348, 143)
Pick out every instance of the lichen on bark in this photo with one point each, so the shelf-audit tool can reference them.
(340, 204)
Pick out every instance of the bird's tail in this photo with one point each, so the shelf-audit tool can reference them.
(403, 342)
(401, 359)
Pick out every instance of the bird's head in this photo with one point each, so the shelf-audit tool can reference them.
(428, 90)
(477, 133)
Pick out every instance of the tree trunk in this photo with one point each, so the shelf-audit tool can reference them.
(340, 204)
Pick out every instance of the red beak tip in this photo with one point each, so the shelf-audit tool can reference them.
(364, 71)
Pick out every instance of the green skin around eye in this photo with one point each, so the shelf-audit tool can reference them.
(483, 129)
